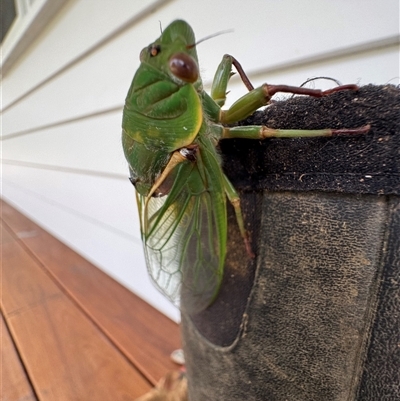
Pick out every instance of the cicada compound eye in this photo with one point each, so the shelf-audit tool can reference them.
(184, 67)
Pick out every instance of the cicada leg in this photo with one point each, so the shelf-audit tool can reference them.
(222, 76)
(177, 157)
(183, 154)
(234, 199)
(262, 132)
(261, 96)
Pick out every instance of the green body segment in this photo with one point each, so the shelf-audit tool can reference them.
(184, 227)
(220, 81)
(161, 114)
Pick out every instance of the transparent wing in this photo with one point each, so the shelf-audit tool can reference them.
(184, 236)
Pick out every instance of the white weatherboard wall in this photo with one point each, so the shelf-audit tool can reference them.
(62, 100)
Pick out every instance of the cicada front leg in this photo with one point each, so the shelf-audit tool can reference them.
(179, 156)
(222, 76)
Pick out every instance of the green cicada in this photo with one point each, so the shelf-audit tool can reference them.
(171, 129)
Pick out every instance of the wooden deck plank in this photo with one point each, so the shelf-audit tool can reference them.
(14, 384)
(65, 355)
(143, 334)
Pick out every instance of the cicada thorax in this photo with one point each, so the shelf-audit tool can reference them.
(163, 109)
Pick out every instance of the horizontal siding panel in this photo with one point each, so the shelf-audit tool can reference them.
(82, 25)
(268, 33)
(93, 144)
(97, 83)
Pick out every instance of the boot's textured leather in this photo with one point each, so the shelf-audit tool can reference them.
(316, 315)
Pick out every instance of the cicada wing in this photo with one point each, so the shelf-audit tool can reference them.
(184, 235)
(160, 234)
(204, 254)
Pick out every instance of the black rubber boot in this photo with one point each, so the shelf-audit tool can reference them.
(316, 315)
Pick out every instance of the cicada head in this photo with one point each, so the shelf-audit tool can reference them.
(174, 53)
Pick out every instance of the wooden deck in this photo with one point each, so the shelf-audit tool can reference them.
(70, 332)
